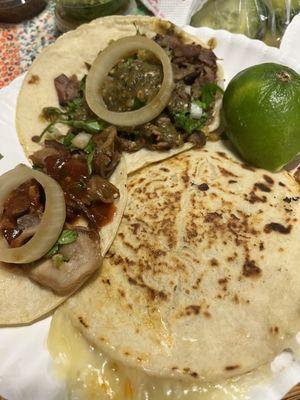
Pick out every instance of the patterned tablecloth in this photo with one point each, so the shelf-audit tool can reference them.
(20, 43)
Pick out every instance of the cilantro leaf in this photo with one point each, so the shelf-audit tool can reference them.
(87, 126)
(58, 260)
(90, 147)
(53, 251)
(67, 237)
(89, 162)
(208, 93)
(189, 125)
(52, 113)
(67, 140)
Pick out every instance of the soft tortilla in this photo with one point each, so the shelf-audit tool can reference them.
(69, 55)
(197, 284)
(22, 301)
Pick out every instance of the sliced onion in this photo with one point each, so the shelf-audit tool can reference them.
(52, 220)
(81, 140)
(104, 63)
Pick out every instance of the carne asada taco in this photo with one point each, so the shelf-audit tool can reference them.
(155, 86)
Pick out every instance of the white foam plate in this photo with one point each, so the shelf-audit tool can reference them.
(25, 365)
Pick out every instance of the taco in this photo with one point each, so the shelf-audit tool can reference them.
(162, 95)
(54, 233)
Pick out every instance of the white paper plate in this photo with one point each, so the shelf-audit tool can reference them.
(25, 365)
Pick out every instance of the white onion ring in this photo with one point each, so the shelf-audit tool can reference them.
(52, 220)
(104, 63)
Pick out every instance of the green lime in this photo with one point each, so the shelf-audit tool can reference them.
(261, 108)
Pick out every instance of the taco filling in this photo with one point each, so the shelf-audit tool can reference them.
(166, 82)
(66, 248)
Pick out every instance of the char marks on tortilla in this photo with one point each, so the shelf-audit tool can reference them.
(202, 281)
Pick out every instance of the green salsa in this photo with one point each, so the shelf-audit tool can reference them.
(86, 10)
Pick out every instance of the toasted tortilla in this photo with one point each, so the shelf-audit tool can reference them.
(202, 281)
(69, 55)
(22, 300)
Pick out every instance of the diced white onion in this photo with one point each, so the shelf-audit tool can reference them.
(188, 89)
(196, 111)
(81, 140)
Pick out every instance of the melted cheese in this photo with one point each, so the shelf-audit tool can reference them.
(90, 374)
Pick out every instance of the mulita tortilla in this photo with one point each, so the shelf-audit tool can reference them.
(71, 54)
(203, 276)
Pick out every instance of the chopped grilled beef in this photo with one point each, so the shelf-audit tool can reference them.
(131, 142)
(161, 134)
(180, 99)
(99, 189)
(70, 170)
(67, 89)
(107, 153)
(191, 63)
(198, 139)
(26, 200)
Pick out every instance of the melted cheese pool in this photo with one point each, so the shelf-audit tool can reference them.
(90, 374)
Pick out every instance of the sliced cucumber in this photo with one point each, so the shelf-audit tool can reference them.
(247, 17)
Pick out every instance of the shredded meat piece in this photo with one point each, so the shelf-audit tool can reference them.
(198, 139)
(83, 192)
(191, 62)
(161, 134)
(131, 143)
(26, 200)
(99, 189)
(107, 153)
(67, 89)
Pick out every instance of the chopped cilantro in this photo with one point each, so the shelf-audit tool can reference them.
(90, 147)
(184, 121)
(48, 128)
(67, 237)
(52, 113)
(58, 260)
(87, 126)
(89, 161)
(67, 140)
(53, 250)
(208, 93)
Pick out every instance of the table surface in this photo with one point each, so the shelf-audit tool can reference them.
(20, 43)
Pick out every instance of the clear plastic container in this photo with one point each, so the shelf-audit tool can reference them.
(14, 11)
(259, 19)
(86, 10)
(71, 13)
